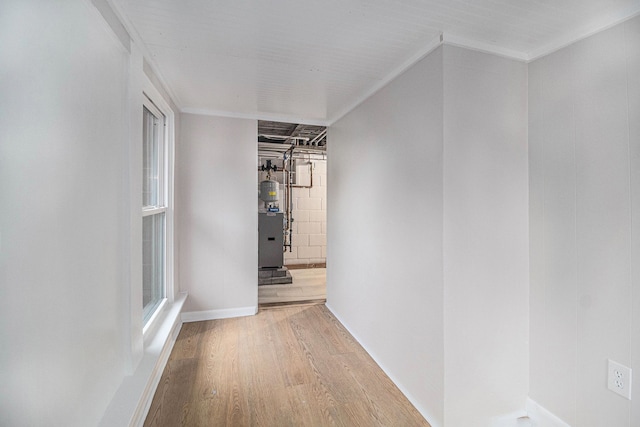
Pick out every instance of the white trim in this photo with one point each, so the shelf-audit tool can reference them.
(415, 58)
(160, 343)
(132, 253)
(225, 313)
(605, 24)
(454, 40)
(156, 98)
(153, 211)
(137, 40)
(254, 116)
(131, 403)
(151, 106)
(108, 23)
(418, 405)
(514, 419)
(541, 417)
(149, 328)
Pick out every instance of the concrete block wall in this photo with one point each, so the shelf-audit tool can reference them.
(310, 216)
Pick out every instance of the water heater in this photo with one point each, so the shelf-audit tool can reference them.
(269, 190)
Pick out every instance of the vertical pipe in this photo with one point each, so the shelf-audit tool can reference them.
(289, 209)
(285, 176)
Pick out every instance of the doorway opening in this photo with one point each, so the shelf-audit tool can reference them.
(292, 216)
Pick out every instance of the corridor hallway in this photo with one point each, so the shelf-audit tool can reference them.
(286, 366)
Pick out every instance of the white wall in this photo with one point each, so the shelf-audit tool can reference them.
(485, 237)
(584, 139)
(218, 225)
(63, 144)
(72, 350)
(384, 253)
(428, 245)
(632, 46)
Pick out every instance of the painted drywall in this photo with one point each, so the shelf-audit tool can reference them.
(584, 143)
(436, 288)
(73, 350)
(63, 144)
(632, 47)
(216, 177)
(485, 236)
(384, 236)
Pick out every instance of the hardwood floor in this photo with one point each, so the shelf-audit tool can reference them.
(286, 366)
(309, 284)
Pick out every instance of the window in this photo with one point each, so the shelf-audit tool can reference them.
(154, 210)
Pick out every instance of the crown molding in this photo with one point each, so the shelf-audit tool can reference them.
(587, 31)
(470, 44)
(408, 63)
(137, 40)
(255, 116)
(601, 24)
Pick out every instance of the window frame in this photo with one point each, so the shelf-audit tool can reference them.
(155, 103)
(162, 168)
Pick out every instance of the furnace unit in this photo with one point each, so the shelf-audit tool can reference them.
(270, 240)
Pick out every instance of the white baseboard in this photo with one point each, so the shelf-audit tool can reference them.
(430, 419)
(514, 419)
(541, 417)
(198, 316)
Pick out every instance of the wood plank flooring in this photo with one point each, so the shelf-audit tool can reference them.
(286, 366)
(309, 284)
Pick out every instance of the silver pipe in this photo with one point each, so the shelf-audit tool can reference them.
(290, 206)
(301, 138)
(275, 146)
(314, 155)
(282, 147)
(270, 155)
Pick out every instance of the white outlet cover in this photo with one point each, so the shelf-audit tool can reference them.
(619, 379)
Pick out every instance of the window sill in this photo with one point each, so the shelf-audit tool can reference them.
(155, 321)
(131, 402)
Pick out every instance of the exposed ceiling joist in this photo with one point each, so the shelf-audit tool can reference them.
(286, 133)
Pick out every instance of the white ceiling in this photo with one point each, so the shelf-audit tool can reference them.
(313, 60)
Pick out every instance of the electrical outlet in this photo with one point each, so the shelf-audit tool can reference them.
(619, 379)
